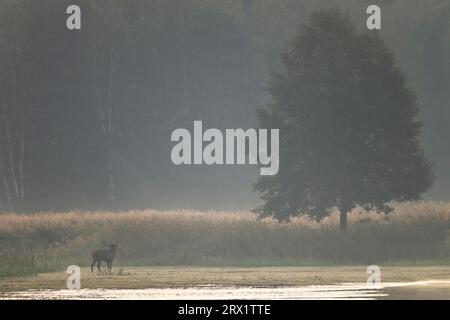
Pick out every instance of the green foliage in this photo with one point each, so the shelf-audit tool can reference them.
(349, 127)
(82, 112)
(174, 62)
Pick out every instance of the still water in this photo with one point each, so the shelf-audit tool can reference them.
(329, 292)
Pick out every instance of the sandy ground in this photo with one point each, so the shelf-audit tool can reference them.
(144, 278)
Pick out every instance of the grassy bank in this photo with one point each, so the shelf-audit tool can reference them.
(50, 241)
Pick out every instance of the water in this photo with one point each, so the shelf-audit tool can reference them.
(316, 292)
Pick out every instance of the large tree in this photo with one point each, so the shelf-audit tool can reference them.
(349, 128)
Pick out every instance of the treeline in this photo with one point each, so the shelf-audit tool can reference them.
(86, 116)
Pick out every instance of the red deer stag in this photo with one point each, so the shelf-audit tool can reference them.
(106, 255)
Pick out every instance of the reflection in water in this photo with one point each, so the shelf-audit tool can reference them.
(341, 291)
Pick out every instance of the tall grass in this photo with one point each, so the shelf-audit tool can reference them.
(51, 241)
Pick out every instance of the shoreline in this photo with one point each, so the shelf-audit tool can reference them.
(124, 277)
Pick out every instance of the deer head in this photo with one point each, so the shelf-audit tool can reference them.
(112, 246)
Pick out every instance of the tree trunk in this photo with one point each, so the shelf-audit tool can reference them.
(105, 110)
(344, 208)
(8, 202)
(343, 220)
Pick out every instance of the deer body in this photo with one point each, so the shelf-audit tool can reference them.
(106, 255)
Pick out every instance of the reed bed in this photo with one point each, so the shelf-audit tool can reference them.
(50, 240)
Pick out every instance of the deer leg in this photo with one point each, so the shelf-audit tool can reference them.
(98, 265)
(92, 265)
(109, 266)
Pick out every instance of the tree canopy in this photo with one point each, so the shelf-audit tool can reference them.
(349, 127)
(86, 115)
